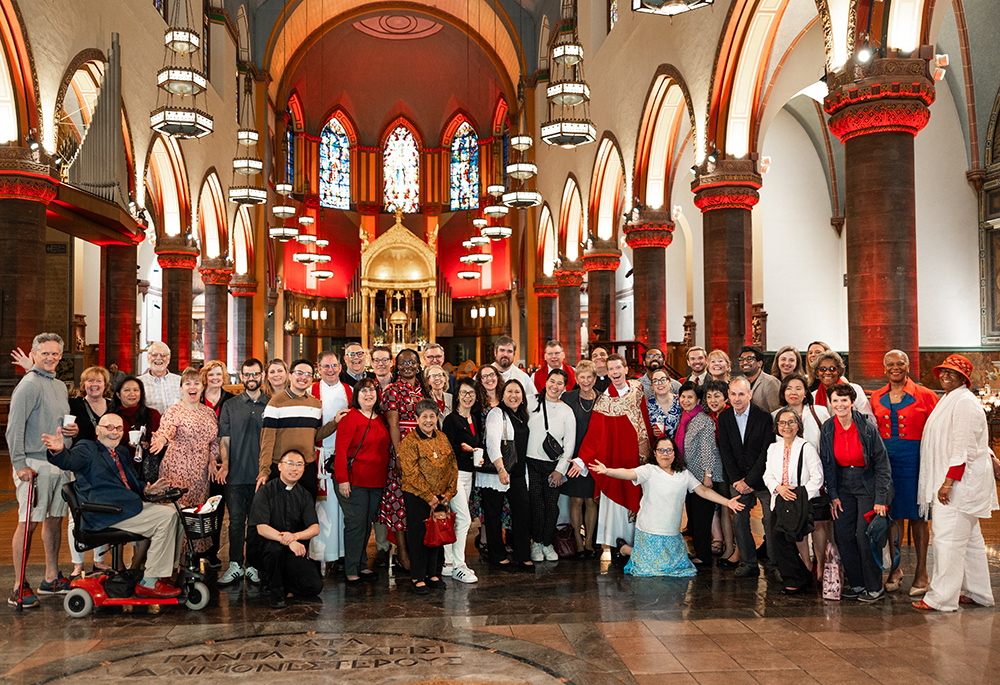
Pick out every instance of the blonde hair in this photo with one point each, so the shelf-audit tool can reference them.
(585, 365)
(92, 372)
(214, 364)
(265, 384)
(719, 354)
(189, 373)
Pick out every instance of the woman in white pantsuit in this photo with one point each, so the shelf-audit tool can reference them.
(956, 485)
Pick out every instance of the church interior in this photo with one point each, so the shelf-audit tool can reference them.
(274, 178)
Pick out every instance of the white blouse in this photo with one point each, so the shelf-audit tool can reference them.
(812, 467)
(496, 422)
(562, 427)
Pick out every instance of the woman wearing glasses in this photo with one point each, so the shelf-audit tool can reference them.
(437, 381)
(829, 368)
(464, 429)
(664, 409)
(659, 548)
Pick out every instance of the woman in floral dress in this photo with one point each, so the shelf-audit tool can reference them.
(398, 402)
(190, 432)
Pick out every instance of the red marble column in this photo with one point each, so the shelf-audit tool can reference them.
(649, 238)
(877, 117)
(119, 283)
(569, 278)
(546, 290)
(726, 195)
(178, 258)
(601, 261)
(243, 287)
(26, 187)
(216, 274)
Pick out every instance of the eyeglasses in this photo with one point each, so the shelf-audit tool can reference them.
(746, 360)
(355, 355)
(660, 381)
(158, 355)
(112, 429)
(654, 356)
(381, 361)
(664, 450)
(252, 374)
(467, 393)
(827, 369)
(409, 362)
(433, 356)
(329, 367)
(294, 464)
(792, 422)
(488, 376)
(302, 374)
(437, 376)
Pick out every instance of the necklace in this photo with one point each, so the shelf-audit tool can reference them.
(584, 406)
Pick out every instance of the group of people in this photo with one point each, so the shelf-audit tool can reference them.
(312, 459)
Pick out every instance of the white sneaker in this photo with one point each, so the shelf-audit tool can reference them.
(550, 553)
(252, 575)
(464, 574)
(232, 574)
(446, 570)
(537, 553)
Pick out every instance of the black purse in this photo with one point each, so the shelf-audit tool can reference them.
(551, 446)
(794, 519)
(508, 452)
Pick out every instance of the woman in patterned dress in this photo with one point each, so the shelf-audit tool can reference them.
(664, 410)
(190, 432)
(398, 403)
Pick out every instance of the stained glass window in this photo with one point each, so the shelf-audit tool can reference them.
(335, 166)
(401, 171)
(289, 155)
(465, 168)
(612, 13)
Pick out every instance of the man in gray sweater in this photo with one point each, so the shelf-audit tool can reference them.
(37, 406)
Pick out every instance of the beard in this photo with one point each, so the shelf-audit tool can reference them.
(654, 365)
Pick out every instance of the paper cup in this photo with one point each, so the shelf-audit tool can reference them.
(68, 419)
(133, 437)
(477, 457)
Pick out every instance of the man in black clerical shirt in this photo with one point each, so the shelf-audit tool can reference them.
(285, 516)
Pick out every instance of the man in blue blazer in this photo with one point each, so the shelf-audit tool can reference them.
(102, 477)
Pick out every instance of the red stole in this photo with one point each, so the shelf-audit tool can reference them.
(618, 437)
(542, 375)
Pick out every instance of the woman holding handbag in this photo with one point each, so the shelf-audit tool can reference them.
(360, 467)
(502, 477)
(464, 429)
(429, 480)
(793, 472)
(551, 440)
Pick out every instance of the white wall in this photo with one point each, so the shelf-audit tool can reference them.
(87, 287)
(947, 232)
(803, 260)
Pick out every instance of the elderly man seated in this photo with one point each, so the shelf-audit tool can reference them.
(102, 477)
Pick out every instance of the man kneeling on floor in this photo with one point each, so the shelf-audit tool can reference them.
(102, 477)
(285, 515)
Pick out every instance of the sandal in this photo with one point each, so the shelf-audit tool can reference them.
(923, 606)
(965, 599)
(717, 547)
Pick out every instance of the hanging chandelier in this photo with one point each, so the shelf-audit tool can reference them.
(476, 258)
(567, 126)
(322, 242)
(283, 233)
(245, 191)
(520, 199)
(496, 211)
(496, 190)
(181, 80)
(469, 274)
(323, 258)
(497, 232)
(306, 238)
(304, 257)
(668, 7)
(321, 275)
(306, 220)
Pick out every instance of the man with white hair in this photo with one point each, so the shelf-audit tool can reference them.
(37, 406)
(163, 388)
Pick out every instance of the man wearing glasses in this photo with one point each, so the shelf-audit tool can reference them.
(653, 360)
(293, 420)
(163, 389)
(434, 356)
(240, 424)
(763, 385)
(355, 361)
(102, 477)
(382, 365)
(285, 516)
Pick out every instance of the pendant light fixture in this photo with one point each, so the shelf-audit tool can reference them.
(521, 168)
(321, 275)
(181, 80)
(246, 164)
(469, 274)
(568, 124)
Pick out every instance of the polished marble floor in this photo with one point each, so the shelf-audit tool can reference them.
(572, 622)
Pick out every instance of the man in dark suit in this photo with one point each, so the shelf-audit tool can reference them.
(102, 477)
(355, 363)
(745, 431)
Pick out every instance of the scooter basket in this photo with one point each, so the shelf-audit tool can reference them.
(198, 526)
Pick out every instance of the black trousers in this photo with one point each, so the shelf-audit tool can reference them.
(239, 499)
(425, 561)
(544, 501)
(213, 490)
(309, 479)
(793, 572)
(520, 520)
(850, 529)
(360, 512)
(284, 572)
(700, 514)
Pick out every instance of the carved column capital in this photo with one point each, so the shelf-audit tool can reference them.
(22, 178)
(216, 271)
(649, 229)
(731, 184)
(243, 285)
(602, 255)
(570, 273)
(546, 286)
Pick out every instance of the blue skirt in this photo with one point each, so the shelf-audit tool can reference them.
(904, 460)
(659, 555)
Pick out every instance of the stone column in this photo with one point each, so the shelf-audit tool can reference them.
(366, 326)
(243, 287)
(178, 258)
(216, 275)
(118, 304)
(26, 187)
(726, 193)
(601, 261)
(546, 290)
(569, 278)
(876, 110)
(649, 236)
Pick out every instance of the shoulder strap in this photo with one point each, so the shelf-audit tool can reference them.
(798, 470)
(812, 409)
(545, 414)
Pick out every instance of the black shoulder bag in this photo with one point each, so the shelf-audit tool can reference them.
(508, 452)
(551, 446)
(794, 519)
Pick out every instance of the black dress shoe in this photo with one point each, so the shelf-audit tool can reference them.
(794, 590)
(354, 581)
(369, 577)
(277, 601)
(438, 584)
(420, 589)
(725, 563)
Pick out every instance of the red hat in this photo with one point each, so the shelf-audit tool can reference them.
(958, 363)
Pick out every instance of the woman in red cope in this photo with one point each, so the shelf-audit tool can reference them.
(956, 486)
(361, 463)
(901, 409)
(399, 403)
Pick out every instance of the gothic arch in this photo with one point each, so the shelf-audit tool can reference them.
(17, 54)
(608, 191)
(657, 151)
(213, 227)
(572, 226)
(548, 242)
(167, 194)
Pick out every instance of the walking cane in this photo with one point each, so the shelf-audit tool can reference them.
(24, 552)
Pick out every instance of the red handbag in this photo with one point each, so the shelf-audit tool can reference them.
(440, 529)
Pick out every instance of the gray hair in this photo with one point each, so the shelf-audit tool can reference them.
(327, 353)
(426, 405)
(43, 338)
(741, 379)
(798, 420)
(831, 356)
(906, 357)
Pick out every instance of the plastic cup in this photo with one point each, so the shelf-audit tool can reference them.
(68, 419)
(133, 437)
(477, 456)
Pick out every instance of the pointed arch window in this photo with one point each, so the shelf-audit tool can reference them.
(335, 166)
(401, 171)
(289, 155)
(465, 168)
